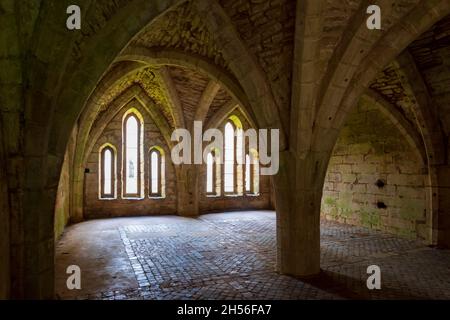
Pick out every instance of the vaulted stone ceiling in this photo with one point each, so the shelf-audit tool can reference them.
(431, 53)
(221, 100)
(149, 80)
(267, 28)
(99, 13)
(180, 28)
(190, 86)
(334, 54)
(390, 85)
(146, 78)
(336, 16)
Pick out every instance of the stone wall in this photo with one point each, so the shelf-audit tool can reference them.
(229, 203)
(97, 208)
(374, 178)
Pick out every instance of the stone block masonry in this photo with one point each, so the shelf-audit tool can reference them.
(375, 179)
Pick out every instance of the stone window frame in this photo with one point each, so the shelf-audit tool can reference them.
(235, 183)
(160, 194)
(238, 172)
(132, 112)
(101, 176)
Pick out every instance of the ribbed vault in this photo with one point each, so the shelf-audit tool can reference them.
(298, 66)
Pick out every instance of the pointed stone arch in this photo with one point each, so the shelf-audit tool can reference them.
(407, 130)
(332, 116)
(224, 113)
(61, 88)
(434, 141)
(423, 109)
(298, 218)
(134, 94)
(206, 100)
(386, 49)
(165, 56)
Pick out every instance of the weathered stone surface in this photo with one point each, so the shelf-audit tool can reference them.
(431, 53)
(146, 78)
(183, 29)
(375, 181)
(221, 99)
(389, 85)
(113, 134)
(49, 77)
(267, 28)
(190, 86)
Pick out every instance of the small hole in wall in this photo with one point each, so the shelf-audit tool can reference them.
(380, 183)
(381, 205)
(87, 170)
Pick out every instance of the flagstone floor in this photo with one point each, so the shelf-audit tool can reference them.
(232, 256)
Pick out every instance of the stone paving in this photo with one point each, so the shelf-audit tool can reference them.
(232, 256)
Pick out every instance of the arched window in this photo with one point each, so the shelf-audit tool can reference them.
(132, 131)
(157, 173)
(230, 159)
(252, 173)
(107, 172)
(234, 157)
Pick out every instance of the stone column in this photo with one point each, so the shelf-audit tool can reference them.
(298, 191)
(32, 243)
(187, 190)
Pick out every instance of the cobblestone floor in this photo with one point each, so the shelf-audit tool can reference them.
(232, 256)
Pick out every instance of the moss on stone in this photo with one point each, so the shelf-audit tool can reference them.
(370, 219)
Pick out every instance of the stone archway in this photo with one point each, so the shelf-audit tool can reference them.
(377, 175)
(65, 83)
(129, 61)
(346, 80)
(47, 133)
(53, 73)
